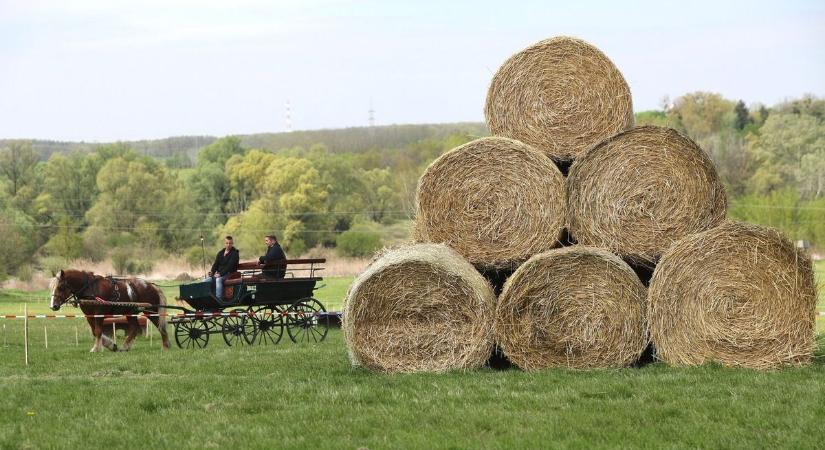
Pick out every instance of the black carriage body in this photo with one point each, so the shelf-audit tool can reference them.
(284, 291)
(258, 312)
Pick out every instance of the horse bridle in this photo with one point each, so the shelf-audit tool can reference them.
(74, 297)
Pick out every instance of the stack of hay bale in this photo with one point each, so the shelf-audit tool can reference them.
(572, 204)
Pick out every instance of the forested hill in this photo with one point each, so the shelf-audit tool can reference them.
(336, 140)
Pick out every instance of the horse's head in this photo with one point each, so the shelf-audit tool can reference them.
(64, 286)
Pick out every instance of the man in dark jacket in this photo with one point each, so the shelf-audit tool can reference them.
(226, 262)
(274, 253)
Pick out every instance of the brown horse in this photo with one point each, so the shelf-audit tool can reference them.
(74, 285)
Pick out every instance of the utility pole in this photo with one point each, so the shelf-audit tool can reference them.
(288, 117)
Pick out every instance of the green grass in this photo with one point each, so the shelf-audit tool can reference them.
(331, 293)
(308, 396)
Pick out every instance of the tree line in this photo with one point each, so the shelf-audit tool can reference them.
(117, 200)
(114, 201)
(771, 160)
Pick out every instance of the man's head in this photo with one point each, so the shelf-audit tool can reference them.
(270, 240)
(228, 242)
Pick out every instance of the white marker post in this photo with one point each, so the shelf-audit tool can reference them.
(26, 332)
(114, 334)
(76, 340)
(46, 335)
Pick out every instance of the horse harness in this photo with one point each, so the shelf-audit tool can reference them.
(75, 298)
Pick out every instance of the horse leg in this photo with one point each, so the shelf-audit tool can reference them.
(160, 324)
(131, 331)
(99, 334)
(107, 338)
(95, 333)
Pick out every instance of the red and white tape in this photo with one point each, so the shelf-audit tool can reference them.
(200, 315)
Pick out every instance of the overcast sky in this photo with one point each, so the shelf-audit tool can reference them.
(100, 70)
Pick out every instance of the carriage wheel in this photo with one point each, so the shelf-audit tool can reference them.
(192, 333)
(268, 325)
(307, 321)
(235, 329)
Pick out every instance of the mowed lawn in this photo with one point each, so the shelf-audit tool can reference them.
(309, 396)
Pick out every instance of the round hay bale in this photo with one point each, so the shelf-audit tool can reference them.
(419, 308)
(577, 307)
(560, 95)
(495, 200)
(642, 190)
(738, 294)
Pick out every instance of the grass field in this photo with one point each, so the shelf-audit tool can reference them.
(308, 396)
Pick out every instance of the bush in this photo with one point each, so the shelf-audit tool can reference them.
(53, 264)
(25, 272)
(125, 264)
(198, 257)
(358, 243)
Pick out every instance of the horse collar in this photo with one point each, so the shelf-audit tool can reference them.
(116, 289)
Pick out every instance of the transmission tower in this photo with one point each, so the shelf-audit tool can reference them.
(288, 117)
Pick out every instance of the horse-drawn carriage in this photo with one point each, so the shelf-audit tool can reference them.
(255, 309)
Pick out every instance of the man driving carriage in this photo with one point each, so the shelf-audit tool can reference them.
(274, 253)
(226, 262)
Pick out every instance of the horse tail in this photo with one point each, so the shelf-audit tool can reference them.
(162, 315)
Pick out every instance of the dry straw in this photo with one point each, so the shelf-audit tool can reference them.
(578, 307)
(561, 95)
(739, 294)
(641, 190)
(495, 200)
(419, 308)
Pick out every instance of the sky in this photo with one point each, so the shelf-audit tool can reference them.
(105, 70)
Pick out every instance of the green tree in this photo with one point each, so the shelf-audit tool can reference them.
(131, 188)
(210, 191)
(658, 118)
(358, 243)
(246, 174)
(69, 184)
(701, 114)
(301, 199)
(379, 194)
(789, 151)
(66, 242)
(221, 150)
(17, 230)
(249, 228)
(742, 115)
(292, 205)
(17, 163)
(734, 164)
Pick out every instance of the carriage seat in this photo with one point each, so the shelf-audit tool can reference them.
(232, 280)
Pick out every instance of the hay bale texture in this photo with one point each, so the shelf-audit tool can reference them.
(495, 200)
(561, 96)
(577, 307)
(419, 308)
(738, 294)
(642, 190)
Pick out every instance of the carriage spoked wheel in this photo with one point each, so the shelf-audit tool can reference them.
(192, 333)
(236, 328)
(307, 321)
(268, 325)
